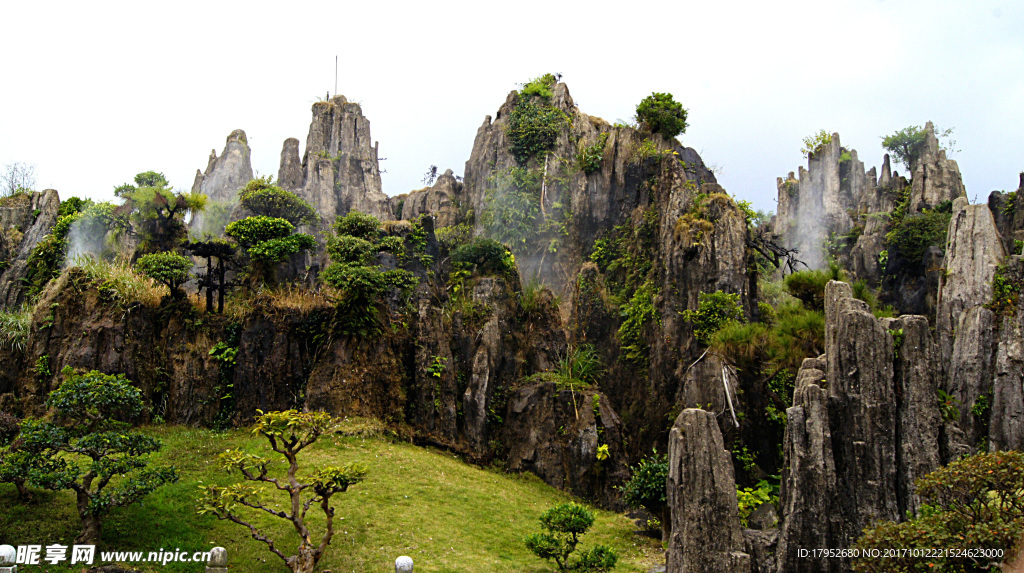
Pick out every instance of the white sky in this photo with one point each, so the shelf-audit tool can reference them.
(95, 92)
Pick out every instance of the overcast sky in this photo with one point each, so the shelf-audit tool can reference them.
(94, 92)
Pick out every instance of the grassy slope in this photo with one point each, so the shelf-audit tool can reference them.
(446, 515)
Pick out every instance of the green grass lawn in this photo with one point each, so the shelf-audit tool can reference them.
(420, 502)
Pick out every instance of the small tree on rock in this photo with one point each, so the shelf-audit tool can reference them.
(261, 197)
(564, 524)
(661, 113)
(171, 269)
(288, 434)
(88, 446)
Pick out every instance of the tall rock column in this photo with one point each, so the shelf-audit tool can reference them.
(226, 174)
(706, 535)
(341, 171)
(863, 426)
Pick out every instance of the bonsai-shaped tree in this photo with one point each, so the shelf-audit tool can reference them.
(289, 433)
(268, 241)
(170, 269)
(155, 213)
(564, 524)
(12, 462)
(354, 272)
(261, 197)
(87, 445)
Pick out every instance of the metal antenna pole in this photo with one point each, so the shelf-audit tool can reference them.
(335, 74)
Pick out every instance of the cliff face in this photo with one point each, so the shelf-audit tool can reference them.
(24, 220)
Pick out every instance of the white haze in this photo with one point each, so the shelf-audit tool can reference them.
(96, 92)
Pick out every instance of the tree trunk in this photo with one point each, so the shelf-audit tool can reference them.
(304, 562)
(666, 523)
(23, 493)
(90, 534)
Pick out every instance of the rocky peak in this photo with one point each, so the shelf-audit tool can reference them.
(226, 174)
(936, 178)
(339, 170)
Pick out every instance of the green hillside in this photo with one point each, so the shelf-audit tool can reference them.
(445, 514)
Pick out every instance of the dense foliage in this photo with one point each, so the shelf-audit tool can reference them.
(354, 272)
(90, 448)
(288, 433)
(486, 256)
(261, 197)
(563, 525)
(972, 503)
(646, 489)
(661, 113)
(533, 126)
(170, 269)
(714, 310)
(907, 144)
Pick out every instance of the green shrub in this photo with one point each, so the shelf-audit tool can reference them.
(171, 269)
(809, 286)
(590, 157)
(252, 230)
(974, 502)
(814, 143)
(47, 258)
(487, 256)
(563, 525)
(580, 365)
(73, 205)
(714, 310)
(454, 236)
(533, 127)
(262, 198)
(646, 488)
(637, 315)
(912, 235)
(1006, 283)
(751, 498)
(540, 86)
(274, 251)
(359, 225)
(351, 250)
(661, 113)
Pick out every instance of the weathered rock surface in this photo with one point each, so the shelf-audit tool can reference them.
(973, 251)
(340, 170)
(1006, 425)
(439, 200)
(226, 174)
(556, 434)
(935, 179)
(854, 447)
(24, 221)
(706, 534)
